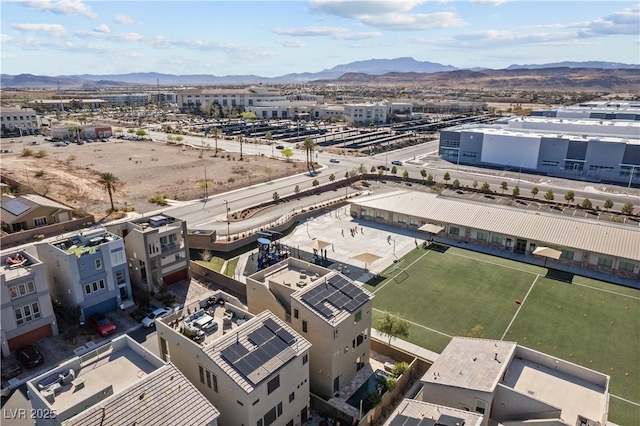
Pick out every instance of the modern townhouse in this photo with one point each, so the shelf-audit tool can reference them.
(157, 250)
(324, 307)
(27, 312)
(87, 269)
(255, 369)
(119, 383)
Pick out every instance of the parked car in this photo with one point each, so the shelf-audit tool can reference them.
(280, 147)
(334, 160)
(29, 356)
(396, 163)
(101, 324)
(383, 168)
(150, 319)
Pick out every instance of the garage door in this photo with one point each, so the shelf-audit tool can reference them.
(175, 277)
(29, 337)
(102, 307)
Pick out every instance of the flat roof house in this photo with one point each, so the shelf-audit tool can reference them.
(27, 312)
(418, 413)
(506, 382)
(89, 269)
(119, 383)
(326, 308)
(254, 368)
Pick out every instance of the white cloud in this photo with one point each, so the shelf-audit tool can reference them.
(492, 2)
(5, 38)
(124, 20)
(624, 22)
(107, 35)
(52, 30)
(494, 38)
(310, 31)
(61, 7)
(102, 29)
(407, 22)
(163, 42)
(293, 42)
(354, 8)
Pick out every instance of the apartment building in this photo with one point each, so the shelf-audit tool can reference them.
(88, 269)
(157, 250)
(48, 105)
(255, 369)
(27, 312)
(119, 383)
(18, 121)
(228, 97)
(367, 112)
(324, 307)
(31, 211)
(506, 382)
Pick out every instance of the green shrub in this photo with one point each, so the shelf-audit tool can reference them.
(399, 369)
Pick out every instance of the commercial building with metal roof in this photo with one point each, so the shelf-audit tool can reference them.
(509, 383)
(586, 245)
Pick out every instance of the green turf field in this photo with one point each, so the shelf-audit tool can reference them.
(588, 322)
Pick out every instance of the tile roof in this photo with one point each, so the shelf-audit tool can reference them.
(164, 397)
(471, 364)
(559, 231)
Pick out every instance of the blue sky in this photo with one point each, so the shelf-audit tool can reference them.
(266, 38)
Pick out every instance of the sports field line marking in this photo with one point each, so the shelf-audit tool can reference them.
(493, 263)
(520, 306)
(418, 325)
(607, 291)
(402, 270)
(625, 400)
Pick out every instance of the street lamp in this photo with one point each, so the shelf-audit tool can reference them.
(228, 232)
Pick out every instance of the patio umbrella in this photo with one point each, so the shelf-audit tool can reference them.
(431, 228)
(366, 257)
(547, 253)
(317, 244)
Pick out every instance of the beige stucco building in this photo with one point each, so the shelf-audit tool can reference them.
(254, 369)
(31, 211)
(326, 308)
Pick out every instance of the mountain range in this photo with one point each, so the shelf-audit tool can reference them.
(372, 68)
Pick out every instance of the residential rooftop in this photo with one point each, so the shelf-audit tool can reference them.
(471, 364)
(16, 264)
(160, 222)
(411, 412)
(256, 349)
(84, 242)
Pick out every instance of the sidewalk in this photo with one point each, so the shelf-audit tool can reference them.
(408, 347)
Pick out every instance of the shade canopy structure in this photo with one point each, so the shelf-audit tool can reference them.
(429, 227)
(366, 257)
(547, 252)
(317, 244)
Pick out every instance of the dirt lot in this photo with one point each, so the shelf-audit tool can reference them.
(145, 169)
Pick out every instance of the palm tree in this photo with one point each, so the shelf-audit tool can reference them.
(240, 139)
(109, 181)
(308, 146)
(216, 134)
(269, 136)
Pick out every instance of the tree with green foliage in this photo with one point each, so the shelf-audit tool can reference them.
(268, 171)
(399, 369)
(456, 184)
(109, 182)
(296, 190)
(627, 208)
(394, 170)
(332, 177)
(287, 153)
(269, 138)
(373, 169)
(446, 177)
(534, 191)
(587, 204)
(347, 175)
(315, 183)
(309, 145)
(515, 192)
(380, 173)
(179, 138)
(392, 326)
(275, 197)
(485, 187)
(475, 184)
(504, 186)
(549, 195)
(141, 133)
(423, 173)
(430, 178)
(216, 134)
(608, 204)
(569, 197)
(248, 115)
(405, 175)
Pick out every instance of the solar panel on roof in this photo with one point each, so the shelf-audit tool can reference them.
(233, 353)
(411, 422)
(271, 325)
(326, 312)
(427, 422)
(285, 336)
(15, 207)
(447, 420)
(259, 336)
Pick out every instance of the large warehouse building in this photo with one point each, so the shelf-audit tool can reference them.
(585, 149)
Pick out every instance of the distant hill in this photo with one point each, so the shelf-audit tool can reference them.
(579, 79)
(406, 70)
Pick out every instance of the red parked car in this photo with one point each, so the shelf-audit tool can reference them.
(101, 325)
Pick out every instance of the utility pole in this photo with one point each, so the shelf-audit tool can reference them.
(228, 231)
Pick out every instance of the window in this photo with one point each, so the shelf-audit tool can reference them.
(304, 326)
(596, 168)
(279, 409)
(94, 287)
(98, 264)
(358, 316)
(402, 219)
(27, 313)
(259, 422)
(256, 401)
(550, 163)
(567, 254)
(296, 313)
(208, 373)
(335, 333)
(270, 417)
(454, 231)
(292, 396)
(605, 261)
(215, 382)
(482, 236)
(626, 266)
(22, 289)
(532, 247)
(273, 385)
(120, 277)
(481, 406)
(117, 257)
(201, 374)
(40, 221)
(495, 239)
(240, 403)
(305, 359)
(574, 165)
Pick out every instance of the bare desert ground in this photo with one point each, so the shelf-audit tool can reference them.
(144, 169)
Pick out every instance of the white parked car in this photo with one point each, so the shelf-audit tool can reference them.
(149, 320)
